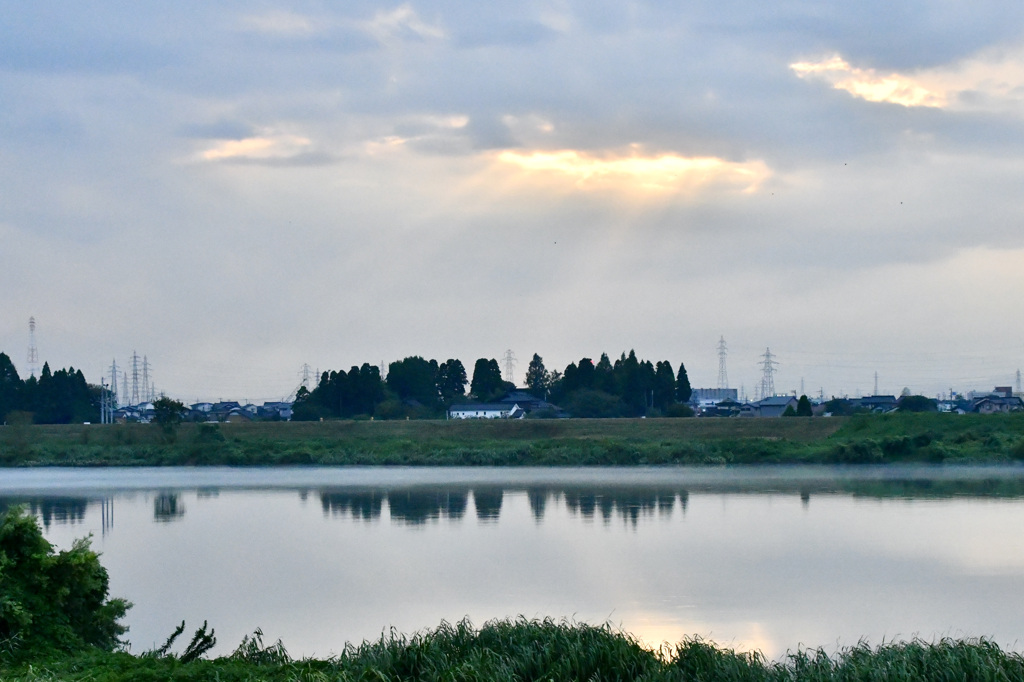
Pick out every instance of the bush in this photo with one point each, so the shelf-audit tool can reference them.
(52, 601)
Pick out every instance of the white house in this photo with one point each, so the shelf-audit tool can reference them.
(485, 411)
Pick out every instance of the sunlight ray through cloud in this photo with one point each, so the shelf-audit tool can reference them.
(666, 173)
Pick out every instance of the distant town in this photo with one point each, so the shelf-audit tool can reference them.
(416, 388)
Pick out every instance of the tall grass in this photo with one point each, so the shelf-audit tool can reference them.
(511, 650)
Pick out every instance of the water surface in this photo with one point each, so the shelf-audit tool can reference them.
(766, 558)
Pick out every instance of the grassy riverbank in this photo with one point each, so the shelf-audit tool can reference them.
(861, 439)
(543, 650)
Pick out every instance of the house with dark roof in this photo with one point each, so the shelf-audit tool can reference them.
(877, 403)
(775, 406)
(997, 404)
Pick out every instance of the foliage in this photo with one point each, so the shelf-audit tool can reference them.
(52, 601)
(451, 380)
(487, 383)
(201, 643)
(415, 379)
(591, 403)
(683, 390)
(547, 649)
(60, 397)
(537, 378)
(803, 407)
(168, 414)
(916, 403)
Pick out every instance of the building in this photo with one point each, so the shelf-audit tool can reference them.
(712, 395)
(775, 406)
(486, 411)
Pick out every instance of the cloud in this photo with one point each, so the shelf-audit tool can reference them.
(279, 23)
(401, 23)
(868, 85)
(992, 80)
(271, 146)
(666, 173)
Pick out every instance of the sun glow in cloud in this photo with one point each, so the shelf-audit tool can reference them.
(991, 81)
(868, 85)
(661, 174)
(269, 146)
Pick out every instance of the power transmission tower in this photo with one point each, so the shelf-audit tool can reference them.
(510, 365)
(723, 376)
(1018, 382)
(33, 351)
(768, 374)
(113, 384)
(147, 393)
(136, 398)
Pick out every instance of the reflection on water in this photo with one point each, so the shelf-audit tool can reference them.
(167, 507)
(767, 557)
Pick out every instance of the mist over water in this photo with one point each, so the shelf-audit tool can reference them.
(754, 558)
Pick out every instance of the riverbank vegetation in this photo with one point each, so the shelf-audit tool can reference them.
(862, 439)
(509, 650)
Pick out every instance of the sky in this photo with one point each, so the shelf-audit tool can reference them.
(234, 190)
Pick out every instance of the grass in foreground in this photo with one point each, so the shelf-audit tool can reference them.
(544, 650)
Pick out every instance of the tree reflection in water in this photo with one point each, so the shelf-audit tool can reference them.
(167, 507)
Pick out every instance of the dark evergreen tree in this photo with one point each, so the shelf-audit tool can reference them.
(487, 383)
(604, 375)
(11, 388)
(664, 385)
(537, 378)
(415, 379)
(451, 381)
(803, 407)
(683, 390)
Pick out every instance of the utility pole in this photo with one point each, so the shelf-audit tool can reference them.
(876, 383)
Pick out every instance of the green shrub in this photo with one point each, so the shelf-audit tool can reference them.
(52, 601)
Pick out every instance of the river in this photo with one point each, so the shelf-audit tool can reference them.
(754, 558)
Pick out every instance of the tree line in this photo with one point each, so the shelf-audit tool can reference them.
(61, 397)
(418, 388)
